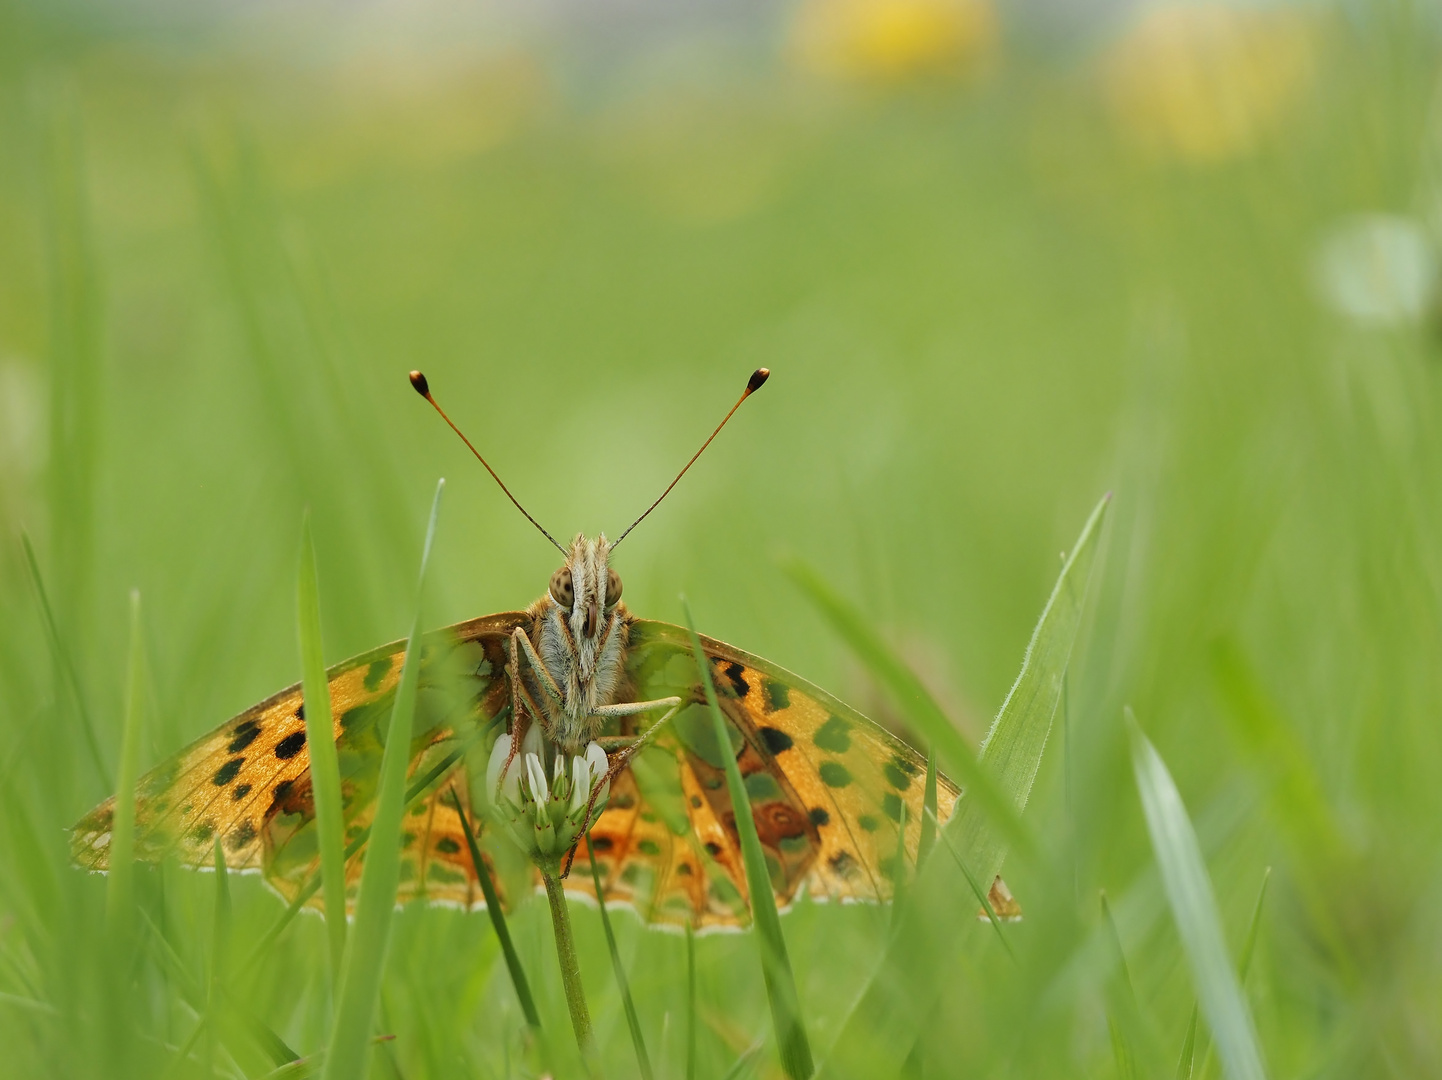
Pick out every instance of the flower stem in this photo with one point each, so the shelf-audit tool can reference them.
(570, 969)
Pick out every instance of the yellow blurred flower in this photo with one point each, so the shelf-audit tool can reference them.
(889, 40)
(1206, 82)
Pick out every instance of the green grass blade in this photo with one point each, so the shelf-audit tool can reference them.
(320, 738)
(884, 1023)
(690, 1003)
(65, 663)
(633, 1021)
(1253, 928)
(927, 839)
(120, 885)
(1189, 1049)
(911, 694)
(1123, 1014)
(346, 1058)
(746, 1063)
(786, 1016)
(498, 921)
(1245, 963)
(981, 894)
(417, 788)
(1194, 907)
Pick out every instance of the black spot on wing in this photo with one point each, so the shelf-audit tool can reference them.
(291, 745)
(240, 836)
(713, 848)
(227, 772)
(833, 736)
(240, 792)
(819, 816)
(602, 843)
(842, 864)
(300, 711)
(446, 846)
(736, 675)
(891, 806)
(775, 739)
(649, 847)
(243, 735)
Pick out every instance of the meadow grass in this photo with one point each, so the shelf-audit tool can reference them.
(982, 307)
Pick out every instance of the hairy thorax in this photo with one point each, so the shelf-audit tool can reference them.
(590, 673)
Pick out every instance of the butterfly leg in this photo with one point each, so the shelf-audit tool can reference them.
(519, 646)
(672, 705)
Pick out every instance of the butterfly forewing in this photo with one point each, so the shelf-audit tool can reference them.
(248, 782)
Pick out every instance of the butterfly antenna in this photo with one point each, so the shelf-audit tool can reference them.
(757, 380)
(424, 389)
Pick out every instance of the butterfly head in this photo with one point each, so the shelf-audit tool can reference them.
(586, 589)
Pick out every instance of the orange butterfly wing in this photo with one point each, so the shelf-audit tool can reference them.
(830, 791)
(248, 782)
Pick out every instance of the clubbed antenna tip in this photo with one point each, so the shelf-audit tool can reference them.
(758, 378)
(424, 388)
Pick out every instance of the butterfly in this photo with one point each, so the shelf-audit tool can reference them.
(838, 801)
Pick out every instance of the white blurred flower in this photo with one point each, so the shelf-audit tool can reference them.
(1379, 269)
(546, 817)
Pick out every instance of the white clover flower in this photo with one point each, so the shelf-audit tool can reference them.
(546, 817)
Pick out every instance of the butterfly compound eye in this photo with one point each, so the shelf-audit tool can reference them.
(613, 588)
(562, 591)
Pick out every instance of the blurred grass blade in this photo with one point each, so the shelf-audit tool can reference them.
(1245, 963)
(120, 885)
(1194, 907)
(690, 1002)
(633, 1021)
(1189, 1049)
(909, 692)
(928, 817)
(65, 663)
(1123, 1014)
(884, 1023)
(498, 920)
(746, 1063)
(786, 1018)
(982, 895)
(346, 1057)
(417, 788)
(320, 739)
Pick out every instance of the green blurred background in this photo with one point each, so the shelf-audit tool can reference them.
(999, 259)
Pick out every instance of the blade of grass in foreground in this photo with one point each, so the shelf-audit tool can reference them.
(884, 1023)
(1194, 907)
(64, 662)
(775, 964)
(498, 920)
(320, 739)
(1243, 965)
(346, 1057)
(690, 1003)
(910, 693)
(418, 787)
(120, 886)
(643, 1059)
